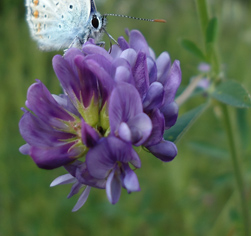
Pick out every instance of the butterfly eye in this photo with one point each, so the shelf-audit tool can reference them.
(95, 21)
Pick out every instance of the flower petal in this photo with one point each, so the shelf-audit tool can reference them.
(158, 123)
(130, 180)
(37, 133)
(67, 76)
(170, 112)
(124, 104)
(152, 70)
(138, 42)
(173, 82)
(165, 150)
(115, 51)
(94, 49)
(163, 63)
(140, 73)
(79, 170)
(124, 132)
(82, 199)
(130, 55)
(141, 127)
(113, 187)
(101, 159)
(89, 135)
(63, 179)
(42, 103)
(50, 158)
(154, 97)
(123, 43)
(25, 149)
(75, 189)
(87, 82)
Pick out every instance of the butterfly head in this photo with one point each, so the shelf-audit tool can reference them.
(97, 26)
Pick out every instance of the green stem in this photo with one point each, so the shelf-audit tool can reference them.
(237, 168)
(203, 15)
(204, 19)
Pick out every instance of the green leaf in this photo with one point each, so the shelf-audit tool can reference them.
(183, 123)
(192, 48)
(209, 150)
(232, 93)
(212, 31)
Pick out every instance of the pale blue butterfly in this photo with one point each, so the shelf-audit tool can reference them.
(57, 24)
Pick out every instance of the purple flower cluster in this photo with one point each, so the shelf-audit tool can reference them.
(111, 103)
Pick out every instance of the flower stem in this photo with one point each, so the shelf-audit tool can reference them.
(188, 91)
(236, 166)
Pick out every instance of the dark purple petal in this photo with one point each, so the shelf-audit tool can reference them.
(130, 180)
(140, 73)
(170, 112)
(173, 82)
(53, 157)
(87, 82)
(70, 55)
(99, 159)
(88, 134)
(152, 70)
(102, 62)
(124, 104)
(113, 187)
(163, 63)
(102, 158)
(37, 133)
(73, 167)
(135, 160)
(42, 103)
(138, 42)
(82, 199)
(79, 170)
(154, 97)
(123, 43)
(64, 101)
(106, 82)
(67, 76)
(165, 150)
(158, 123)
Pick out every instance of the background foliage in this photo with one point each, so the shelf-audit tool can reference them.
(192, 195)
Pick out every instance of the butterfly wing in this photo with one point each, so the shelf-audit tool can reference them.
(54, 24)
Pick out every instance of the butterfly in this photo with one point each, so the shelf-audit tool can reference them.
(61, 24)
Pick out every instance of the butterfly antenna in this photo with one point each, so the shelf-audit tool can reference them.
(136, 18)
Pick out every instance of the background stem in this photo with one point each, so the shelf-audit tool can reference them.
(236, 166)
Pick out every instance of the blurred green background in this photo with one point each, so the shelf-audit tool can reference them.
(193, 195)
